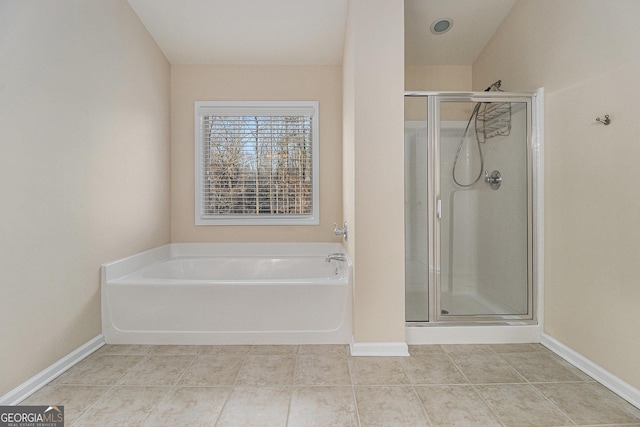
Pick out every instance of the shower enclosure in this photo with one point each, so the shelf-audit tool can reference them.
(469, 226)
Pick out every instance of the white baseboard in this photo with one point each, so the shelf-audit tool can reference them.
(604, 377)
(34, 384)
(378, 348)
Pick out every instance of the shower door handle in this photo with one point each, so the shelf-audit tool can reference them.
(438, 208)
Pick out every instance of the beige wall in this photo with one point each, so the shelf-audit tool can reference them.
(255, 83)
(348, 132)
(437, 77)
(586, 53)
(84, 169)
(374, 165)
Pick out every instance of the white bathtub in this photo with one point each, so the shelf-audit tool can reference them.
(228, 293)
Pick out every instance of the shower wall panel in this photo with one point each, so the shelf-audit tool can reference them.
(502, 273)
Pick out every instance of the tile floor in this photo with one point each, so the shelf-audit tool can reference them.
(307, 385)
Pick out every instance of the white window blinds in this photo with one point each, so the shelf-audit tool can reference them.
(256, 163)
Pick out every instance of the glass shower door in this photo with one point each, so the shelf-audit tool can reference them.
(416, 211)
(482, 208)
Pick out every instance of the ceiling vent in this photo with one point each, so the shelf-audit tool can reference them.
(441, 26)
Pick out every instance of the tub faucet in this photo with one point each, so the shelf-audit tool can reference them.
(336, 256)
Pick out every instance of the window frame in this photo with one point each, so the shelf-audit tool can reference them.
(253, 108)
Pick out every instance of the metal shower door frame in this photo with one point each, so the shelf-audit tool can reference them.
(434, 100)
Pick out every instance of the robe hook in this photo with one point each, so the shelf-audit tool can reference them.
(606, 121)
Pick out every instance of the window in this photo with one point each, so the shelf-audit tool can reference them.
(256, 163)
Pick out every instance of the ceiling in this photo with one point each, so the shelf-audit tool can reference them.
(474, 22)
(257, 32)
(308, 32)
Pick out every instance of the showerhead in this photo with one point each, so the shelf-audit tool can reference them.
(495, 86)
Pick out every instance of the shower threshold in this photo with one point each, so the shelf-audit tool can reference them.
(473, 332)
(471, 322)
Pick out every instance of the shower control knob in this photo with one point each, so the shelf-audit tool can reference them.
(494, 179)
(340, 231)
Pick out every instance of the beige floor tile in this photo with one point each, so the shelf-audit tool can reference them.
(575, 371)
(539, 367)
(189, 406)
(322, 406)
(271, 350)
(324, 350)
(100, 370)
(485, 368)
(267, 370)
(385, 406)
(515, 348)
(455, 405)
(125, 349)
(522, 405)
(157, 370)
(256, 406)
(466, 348)
(322, 370)
(216, 350)
(377, 371)
(176, 350)
(425, 350)
(590, 403)
(433, 369)
(213, 371)
(248, 385)
(123, 406)
(75, 398)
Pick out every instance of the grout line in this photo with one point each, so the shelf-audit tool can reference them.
(476, 391)
(293, 381)
(424, 409)
(90, 407)
(531, 385)
(170, 387)
(245, 358)
(224, 405)
(353, 391)
(184, 371)
(553, 403)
